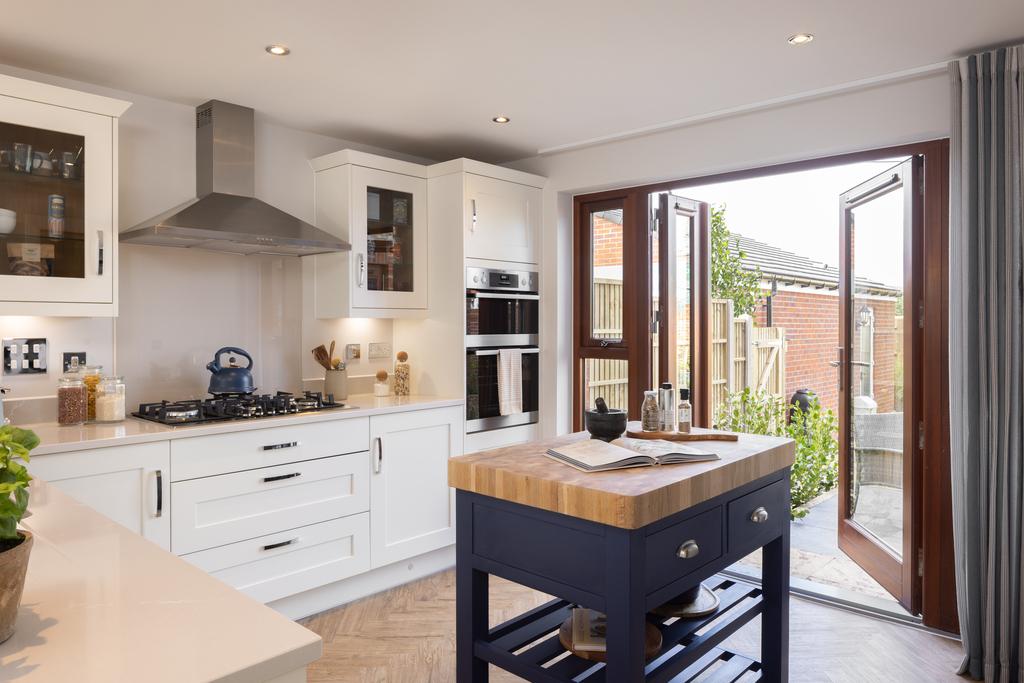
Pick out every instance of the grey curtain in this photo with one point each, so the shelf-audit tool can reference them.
(986, 305)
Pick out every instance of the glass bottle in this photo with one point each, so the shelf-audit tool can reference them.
(71, 400)
(685, 411)
(91, 375)
(110, 399)
(650, 413)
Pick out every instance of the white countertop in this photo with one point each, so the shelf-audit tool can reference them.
(103, 604)
(56, 439)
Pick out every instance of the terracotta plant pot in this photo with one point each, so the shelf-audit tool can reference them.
(13, 565)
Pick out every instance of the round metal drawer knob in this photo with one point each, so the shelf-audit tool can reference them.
(688, 550)
(759, 516)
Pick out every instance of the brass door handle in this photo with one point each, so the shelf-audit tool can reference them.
(688, 550)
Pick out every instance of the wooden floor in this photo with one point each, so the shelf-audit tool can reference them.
(407, 635)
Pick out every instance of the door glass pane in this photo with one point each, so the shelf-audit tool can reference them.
(42, 202)
(876, 368)
(608, 379)
(606, 274)
(680, 311)
(389, 240)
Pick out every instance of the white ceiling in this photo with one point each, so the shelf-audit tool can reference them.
(426, 76)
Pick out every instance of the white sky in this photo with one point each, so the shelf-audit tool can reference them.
(799, 212)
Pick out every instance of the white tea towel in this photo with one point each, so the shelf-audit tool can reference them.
(510, 381)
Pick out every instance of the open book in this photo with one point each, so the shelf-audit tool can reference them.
(594, 455)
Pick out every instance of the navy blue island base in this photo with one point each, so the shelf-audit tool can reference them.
(625, 573)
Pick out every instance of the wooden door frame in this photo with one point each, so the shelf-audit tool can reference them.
(938, 593)
(897, 573)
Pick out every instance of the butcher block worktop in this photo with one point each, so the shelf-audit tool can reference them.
(628, 499)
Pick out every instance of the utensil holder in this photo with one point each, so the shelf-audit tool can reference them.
(336, 383)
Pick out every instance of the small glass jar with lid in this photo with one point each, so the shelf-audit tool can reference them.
(110, 399)
(71, 400)
(91, 375)
(650, 413)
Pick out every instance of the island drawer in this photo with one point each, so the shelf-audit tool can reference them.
(204, 456)
(684, 547)
(215, 511)
(275, 566)
(758, 517)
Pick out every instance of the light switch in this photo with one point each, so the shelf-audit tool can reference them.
(24, 356)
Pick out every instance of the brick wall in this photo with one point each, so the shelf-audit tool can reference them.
(606, 242)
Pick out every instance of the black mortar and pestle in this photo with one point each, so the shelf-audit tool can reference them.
(605, 423)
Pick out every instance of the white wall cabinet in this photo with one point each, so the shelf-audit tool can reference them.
(128, 484)
(411, 506)
(378, 205)
(502, 220)
(58, 175)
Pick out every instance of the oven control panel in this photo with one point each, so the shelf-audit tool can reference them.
(511, 280)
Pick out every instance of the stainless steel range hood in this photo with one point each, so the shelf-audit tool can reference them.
(225, 216)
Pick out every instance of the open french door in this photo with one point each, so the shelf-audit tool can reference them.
(680, 297)
(879, 361)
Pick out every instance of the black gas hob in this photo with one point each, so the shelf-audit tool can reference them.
(224, 407)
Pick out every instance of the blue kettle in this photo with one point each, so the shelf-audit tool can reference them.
(230, 379)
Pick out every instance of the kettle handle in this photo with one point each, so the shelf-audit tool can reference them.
(214, 365)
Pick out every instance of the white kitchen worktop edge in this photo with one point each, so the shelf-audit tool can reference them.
(103, 604)
(57, 439)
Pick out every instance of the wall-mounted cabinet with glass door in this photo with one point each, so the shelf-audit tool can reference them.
(58, 198)
(379, 205)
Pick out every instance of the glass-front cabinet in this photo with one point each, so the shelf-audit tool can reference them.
(379, 206)
(57, 202)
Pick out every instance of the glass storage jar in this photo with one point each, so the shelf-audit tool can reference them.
(91, 375)
(71, 400)
(110, 401)
(650, 413)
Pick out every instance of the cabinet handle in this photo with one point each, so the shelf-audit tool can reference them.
(361, 277)
(759, 516)
(281, 477)
(159, 494)
(277, 446)
(99, 252)
(688, 550)
(472, 227)
(378, 463)
(282, 544)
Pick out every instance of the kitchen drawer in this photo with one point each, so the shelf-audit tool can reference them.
(278, 565)
(664, 565)
(745, 531)
(215, 511)
(204, 456)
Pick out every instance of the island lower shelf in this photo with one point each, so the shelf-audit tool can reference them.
(529, 644)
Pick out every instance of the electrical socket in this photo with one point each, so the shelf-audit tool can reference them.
(353, 351)
(379, 350)
(67, 357)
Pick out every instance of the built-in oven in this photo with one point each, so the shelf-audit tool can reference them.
(502, 356)
(502, 308)
(483, 391)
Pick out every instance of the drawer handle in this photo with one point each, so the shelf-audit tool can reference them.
(688, 550)
(281, 477)
(277, 446)
(159, 494)
(759, 516)
(282, 544)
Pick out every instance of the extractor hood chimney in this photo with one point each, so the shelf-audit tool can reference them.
(225, 216)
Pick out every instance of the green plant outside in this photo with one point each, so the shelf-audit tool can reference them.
(15, 445)
(728, 278)
(816, 467)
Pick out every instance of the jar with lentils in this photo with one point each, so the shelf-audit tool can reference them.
(71, 400)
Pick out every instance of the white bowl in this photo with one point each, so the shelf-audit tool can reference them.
(8, 219)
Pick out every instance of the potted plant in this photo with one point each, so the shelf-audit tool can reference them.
(15, 545)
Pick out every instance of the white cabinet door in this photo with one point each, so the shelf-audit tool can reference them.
(502, 221)
(128, 484)
(411, 505)
(63, 236)
(389, 240)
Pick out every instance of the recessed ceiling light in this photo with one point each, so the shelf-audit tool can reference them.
(501, 119)
(800, 39)
(278, 50)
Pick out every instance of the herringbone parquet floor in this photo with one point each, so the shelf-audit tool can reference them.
(407, 635)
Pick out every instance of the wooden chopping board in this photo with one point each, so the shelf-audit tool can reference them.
(633, 431)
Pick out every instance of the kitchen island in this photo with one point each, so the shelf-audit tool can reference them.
(623, 543)
(103, 604)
